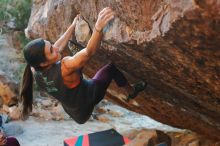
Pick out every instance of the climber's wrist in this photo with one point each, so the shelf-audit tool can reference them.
(97, 29)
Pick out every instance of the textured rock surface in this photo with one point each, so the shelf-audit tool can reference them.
(146, 137)
(10, 66)
(173, 45)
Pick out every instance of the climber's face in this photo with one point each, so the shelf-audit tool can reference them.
(52, 53)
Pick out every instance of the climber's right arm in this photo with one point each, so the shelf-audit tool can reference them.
(81, 58)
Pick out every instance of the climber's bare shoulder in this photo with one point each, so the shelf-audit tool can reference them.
(70, 64)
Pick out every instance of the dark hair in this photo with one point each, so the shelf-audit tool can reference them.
(34, 55)
(26, 92)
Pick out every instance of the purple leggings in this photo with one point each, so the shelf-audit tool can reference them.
(90, 92)
(103, 78)
(11, 141)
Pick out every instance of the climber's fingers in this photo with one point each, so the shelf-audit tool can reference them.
(104, 17)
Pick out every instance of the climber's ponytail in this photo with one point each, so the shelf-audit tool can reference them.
(26, 92)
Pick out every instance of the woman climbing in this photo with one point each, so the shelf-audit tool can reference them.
(62, 78)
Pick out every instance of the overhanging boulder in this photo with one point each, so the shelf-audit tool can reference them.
(173, 45)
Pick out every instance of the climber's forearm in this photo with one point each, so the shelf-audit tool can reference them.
(94, 42)
(63, 40)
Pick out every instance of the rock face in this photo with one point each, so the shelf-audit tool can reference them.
(173, 45)
(10, 67)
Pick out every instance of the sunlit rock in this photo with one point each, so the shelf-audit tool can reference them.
(173, 45)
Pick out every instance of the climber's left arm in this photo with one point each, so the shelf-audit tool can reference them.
(63, 40)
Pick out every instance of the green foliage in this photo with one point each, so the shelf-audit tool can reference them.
(3, 10)
(15, 10)
(22, 39)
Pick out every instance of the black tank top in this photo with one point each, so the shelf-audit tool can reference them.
(78, 102)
